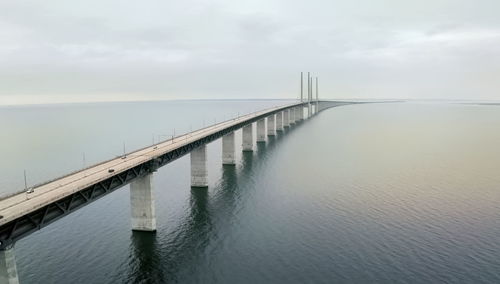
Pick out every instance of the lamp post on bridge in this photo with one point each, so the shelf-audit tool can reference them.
(124, 155)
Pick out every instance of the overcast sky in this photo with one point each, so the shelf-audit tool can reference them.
(98, 50)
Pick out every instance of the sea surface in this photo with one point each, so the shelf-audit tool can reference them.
(366, 193)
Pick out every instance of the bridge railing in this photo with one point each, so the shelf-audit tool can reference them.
(200, 130)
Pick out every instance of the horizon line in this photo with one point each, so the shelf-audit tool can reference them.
(244, 99)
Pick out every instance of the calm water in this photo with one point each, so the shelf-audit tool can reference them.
(387, 193)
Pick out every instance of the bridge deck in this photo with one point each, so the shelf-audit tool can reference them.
(23, 203)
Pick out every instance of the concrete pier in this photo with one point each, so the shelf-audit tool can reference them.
(292, 115)
(228, 149)
(286, 118)
(247, 138)
(271, 126)
(279, 121)
(199, 172)
(261, 130)
(8, 270)
(300, 113)
(142, 204)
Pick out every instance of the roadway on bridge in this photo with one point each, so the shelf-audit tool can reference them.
(22, 203)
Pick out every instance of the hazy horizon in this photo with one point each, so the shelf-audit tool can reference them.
(389, 100)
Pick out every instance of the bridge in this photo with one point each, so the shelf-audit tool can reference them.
(26, 212)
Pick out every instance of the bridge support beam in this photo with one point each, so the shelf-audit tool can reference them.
(8, 270)
(228, 149)
(247, 134)
(199, 172)
(142, 204)
(271, 126)
(292, 115)
(300, 113)
(286, 118)
(261, 130)
(279, 121)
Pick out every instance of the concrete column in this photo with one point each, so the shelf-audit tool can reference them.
(270, 125)
(199, 172)
(292, 115)
(261, 130)
(228, 149)
(8, 270)
(286, 118)
(247, 138)
(142, 204)
(300, 113)
(279, 121)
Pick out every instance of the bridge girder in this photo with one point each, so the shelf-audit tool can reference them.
(40, 218)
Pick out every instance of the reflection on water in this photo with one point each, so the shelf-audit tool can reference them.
(193, 235)
(145, 260)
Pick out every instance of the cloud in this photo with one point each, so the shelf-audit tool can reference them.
(65, 51)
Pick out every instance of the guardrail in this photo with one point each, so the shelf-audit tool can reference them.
(188, 134)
